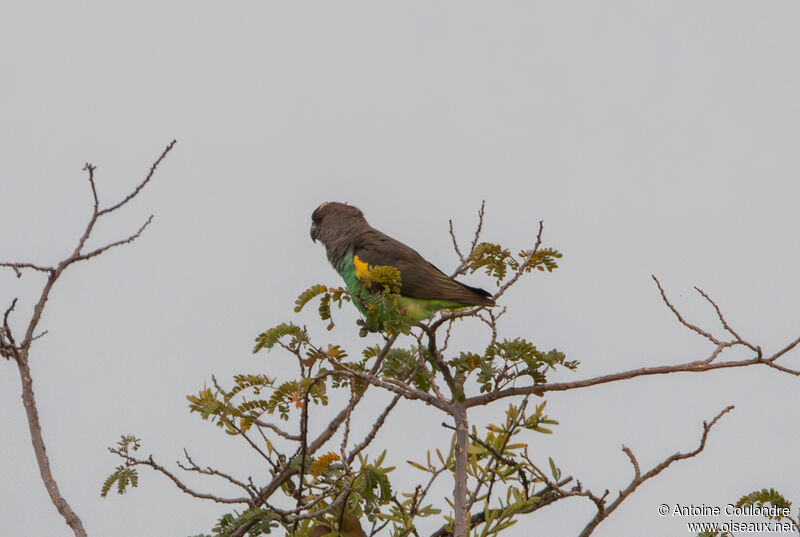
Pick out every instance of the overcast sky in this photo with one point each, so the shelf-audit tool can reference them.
(651, 137)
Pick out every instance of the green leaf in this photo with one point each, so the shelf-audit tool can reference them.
(122, 476)
(307, 295)
(554, 470)
(760, 497)
(268, 339)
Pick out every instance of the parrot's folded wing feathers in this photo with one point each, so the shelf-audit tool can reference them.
(419, 278)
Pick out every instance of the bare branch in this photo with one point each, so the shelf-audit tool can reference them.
(455, 314)
(692, 367)
(35, 428)
(213, 472)
(304, 438)
(375, 427)
(491, 322)
(781, 368)
(278, 430)
(524, 266)
(783, 351)
(8, 347)
(462, 267)
(674, 310)
(724, 322)
(98, 251)
(20, 353)
(457, 249)
(93, 220)
(604, 511)
(90, 168)
(689, 367)
(391, 384)
(133, 461)
(479, 228)
(18, 266)
(136, 191)
(634, 462)
(437, 359)
(421, 365)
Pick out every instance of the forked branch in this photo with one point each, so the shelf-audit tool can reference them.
(603, 511)
(20, 352)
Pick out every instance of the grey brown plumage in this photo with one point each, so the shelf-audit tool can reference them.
(345, 232)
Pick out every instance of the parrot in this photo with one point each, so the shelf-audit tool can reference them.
(353, 247)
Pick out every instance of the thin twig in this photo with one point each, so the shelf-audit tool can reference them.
(8, 347)
(487, 447)
(375, 428)
(462, 267)
(692, 367)
(546, 496)
(683, 321)
(277, 430)
(141, 185)
(783, 351)
(18, 266)
(91, 168)
(436, 358)
(604, 511)
(457, 249)
(213, 472)
(524, 266)
(724, 322)
(98, 251)
(180, 484)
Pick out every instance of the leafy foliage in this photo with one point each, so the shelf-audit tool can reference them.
(760, 497)
(124, 474)
(383, 279)
(270, 338)
(294, 393)
(495, 459)
(401, 364)
(304, 297)
(328, 488)
(322, 463)
(236, 418)
(506, 360)
(328, 295)
(259, 522)
(381, 302)
(498, 261)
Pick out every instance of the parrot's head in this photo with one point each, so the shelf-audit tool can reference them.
(332, 220)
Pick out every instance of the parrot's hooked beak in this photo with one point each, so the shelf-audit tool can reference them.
(313, 232)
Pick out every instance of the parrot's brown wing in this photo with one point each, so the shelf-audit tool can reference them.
(419, 278)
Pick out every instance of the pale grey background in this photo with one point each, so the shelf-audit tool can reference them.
(652, 137)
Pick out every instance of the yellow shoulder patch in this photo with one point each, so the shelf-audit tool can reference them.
(362, 269)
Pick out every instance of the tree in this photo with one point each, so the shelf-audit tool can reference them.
(321, 481)
(17, 349)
